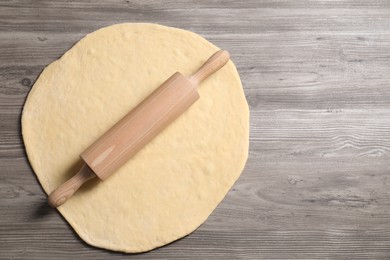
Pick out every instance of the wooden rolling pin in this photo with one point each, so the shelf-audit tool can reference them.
(138, 127)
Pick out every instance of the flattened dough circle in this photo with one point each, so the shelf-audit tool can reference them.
(169, 188)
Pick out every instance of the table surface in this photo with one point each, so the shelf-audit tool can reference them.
(317, 79)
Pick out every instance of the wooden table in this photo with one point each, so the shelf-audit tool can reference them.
(317, 79)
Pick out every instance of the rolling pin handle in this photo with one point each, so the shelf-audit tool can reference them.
(67, 189)
(213, 64)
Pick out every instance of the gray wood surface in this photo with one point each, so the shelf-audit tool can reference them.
(317, 78)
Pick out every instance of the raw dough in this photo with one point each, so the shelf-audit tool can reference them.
(169, 188)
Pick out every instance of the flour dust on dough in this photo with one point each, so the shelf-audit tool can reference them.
(171, 186)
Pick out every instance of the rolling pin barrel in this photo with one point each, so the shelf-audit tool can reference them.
(141, 125)
(138, 127)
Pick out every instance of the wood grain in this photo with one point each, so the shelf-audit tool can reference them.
(316, 75)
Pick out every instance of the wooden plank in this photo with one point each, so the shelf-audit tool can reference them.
(316, 75)
(250, 18)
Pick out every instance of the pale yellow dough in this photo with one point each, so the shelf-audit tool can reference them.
(169, 188)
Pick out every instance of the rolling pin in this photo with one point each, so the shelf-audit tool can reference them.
(129, 135)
